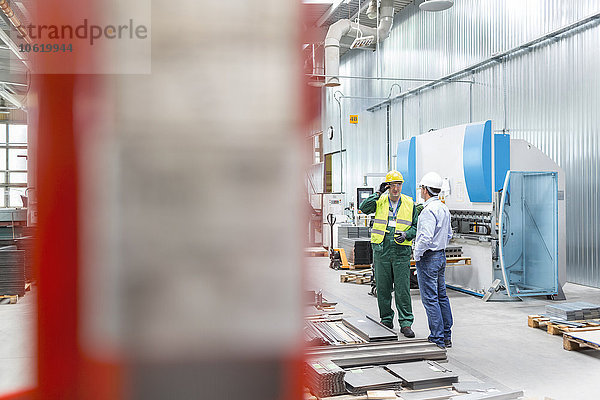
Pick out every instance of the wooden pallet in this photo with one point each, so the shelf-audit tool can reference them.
(457, 260)
(553, 328)
(359, 266)
(316, 252)
(356, 278)
(450, 260)
(9, 299)
(573, 343)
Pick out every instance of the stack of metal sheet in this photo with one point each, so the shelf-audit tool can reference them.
(359, 380)
(358, 250)
(356, 242)
(324, 378)
(454, 251)
(590, 311)
(573, 311)
(369, 330)
(325, 366)
(423, 374)
(313, 337)
(26, 244)
(349, 231)
(12, 273)
(330, 332)
(379, 353)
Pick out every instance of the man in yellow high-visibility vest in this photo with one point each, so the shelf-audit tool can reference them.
(394, 228)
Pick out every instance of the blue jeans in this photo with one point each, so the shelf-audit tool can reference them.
(432, 285)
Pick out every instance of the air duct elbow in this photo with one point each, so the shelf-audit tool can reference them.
(386, 14)
(332, 51)
(345, 26)
(384, 28)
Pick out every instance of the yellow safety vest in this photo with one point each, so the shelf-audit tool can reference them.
(403, 218)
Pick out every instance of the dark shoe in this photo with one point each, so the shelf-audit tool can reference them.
(406, 331)
(448, 343)
(388, 324)
(441, 346)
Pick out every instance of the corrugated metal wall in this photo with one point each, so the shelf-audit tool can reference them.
(549, 96)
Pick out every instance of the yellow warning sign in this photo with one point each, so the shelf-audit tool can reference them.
(354, 119)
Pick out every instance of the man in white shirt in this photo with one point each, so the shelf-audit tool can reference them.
(433, 234)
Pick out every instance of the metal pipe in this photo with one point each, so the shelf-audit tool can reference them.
(492, 59)
(344, 26)
(362, 97)
(403, 130)
(471, 102)
(504, 97)
(467, 291)
(343, 96)
(341, 146)
(388, 138)
(384, 78)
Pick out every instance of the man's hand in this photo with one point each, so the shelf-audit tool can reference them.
(400, 237)
(383, 187)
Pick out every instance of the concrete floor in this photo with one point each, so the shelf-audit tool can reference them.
(17, 345)
(491, 338)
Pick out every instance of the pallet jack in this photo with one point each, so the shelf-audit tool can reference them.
(337, 257)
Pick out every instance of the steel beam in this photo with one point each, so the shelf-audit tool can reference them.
(336, 4)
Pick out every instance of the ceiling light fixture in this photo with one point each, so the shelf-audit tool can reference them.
(364, 41)
(436, 5)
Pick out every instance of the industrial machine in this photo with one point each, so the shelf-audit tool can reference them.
(333, 204)
(506, 198)
(361, 219)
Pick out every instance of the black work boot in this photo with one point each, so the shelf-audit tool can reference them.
(406, 331)
(441, 346)
(448, 342)
(388, 324)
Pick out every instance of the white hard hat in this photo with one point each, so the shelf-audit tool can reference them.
(432, 180)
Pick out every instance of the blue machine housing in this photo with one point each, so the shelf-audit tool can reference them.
(501, 159)
(477, 162)
(406, 164)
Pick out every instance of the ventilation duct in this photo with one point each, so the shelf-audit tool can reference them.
(344, 27)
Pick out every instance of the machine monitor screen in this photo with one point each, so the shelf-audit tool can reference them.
(362, 194)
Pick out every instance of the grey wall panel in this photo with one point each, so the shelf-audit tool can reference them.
(548, 96)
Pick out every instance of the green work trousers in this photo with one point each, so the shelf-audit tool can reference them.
(391, 265)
